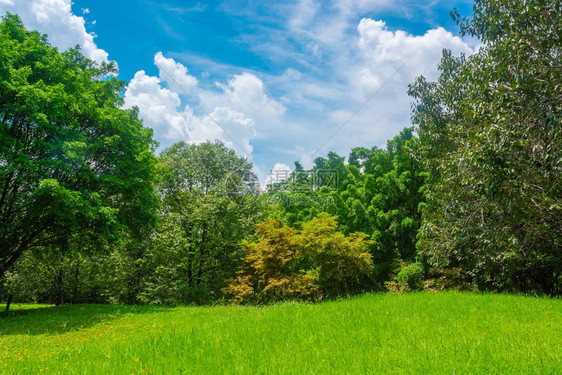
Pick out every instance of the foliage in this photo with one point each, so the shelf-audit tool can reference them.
(377, 193)
(411, 275)
(315, 263)
(339, 261)
(439, 279)
(491, 139)
(71, 160)
(210, 203)
(269, 272)
(76, 274)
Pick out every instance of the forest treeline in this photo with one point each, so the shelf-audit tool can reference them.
(469, 196)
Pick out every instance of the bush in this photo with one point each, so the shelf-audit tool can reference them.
(411, 275)
(315, 263)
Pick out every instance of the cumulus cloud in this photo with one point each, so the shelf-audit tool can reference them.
(55, 18)
(174, 74)
(158, 106)
(246, 93)
(162, 110)
(232, 112)
(384, 50)
(379, 67)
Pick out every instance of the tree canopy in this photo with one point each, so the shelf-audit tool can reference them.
(72, 161)
(491, 139)
(468, 197)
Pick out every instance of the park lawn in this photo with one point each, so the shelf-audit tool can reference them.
(419, 333)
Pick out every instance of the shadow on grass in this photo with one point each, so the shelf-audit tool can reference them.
(60, 319)
(14, 312)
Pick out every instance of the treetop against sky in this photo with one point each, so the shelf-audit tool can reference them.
(274, 80)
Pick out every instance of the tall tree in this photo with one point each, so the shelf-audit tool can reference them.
(71, 160)
(211, 201)
(491, 138)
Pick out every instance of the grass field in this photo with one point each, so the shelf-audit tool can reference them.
(423, 333)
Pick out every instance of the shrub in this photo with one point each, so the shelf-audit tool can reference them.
(411, 275)
(315, 263)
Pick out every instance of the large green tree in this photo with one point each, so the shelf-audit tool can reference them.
(210, 203)
(71, 160)
(491, 137)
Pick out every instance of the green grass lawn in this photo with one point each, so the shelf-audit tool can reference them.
(424, 333)
(21, 306)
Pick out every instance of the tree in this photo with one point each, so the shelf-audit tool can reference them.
(491, 139)
(341, 262)
(316, 263)
(377, 193)
(269, 272)
(71, 160)
(210, 203)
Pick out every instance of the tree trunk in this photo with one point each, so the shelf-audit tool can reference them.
(59, 298)
(76, 277)
(8, 302)
(201, 254)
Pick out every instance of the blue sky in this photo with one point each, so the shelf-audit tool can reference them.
(278, 77)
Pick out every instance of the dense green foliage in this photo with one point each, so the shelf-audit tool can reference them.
(49, 274)
(469, 197)
(71, 161)
(207, 208)
(377, 193)
(421, 333)
(411, 275)
(491, 138)
(209, 205)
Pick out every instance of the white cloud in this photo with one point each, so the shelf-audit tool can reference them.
(159, 106)
(378, 66)
(246, 93)
(384, 50)
(174, 74)
(55, 18)
(303, 13)
(237, 106)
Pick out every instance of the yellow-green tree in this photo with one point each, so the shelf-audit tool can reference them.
(315, 263)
